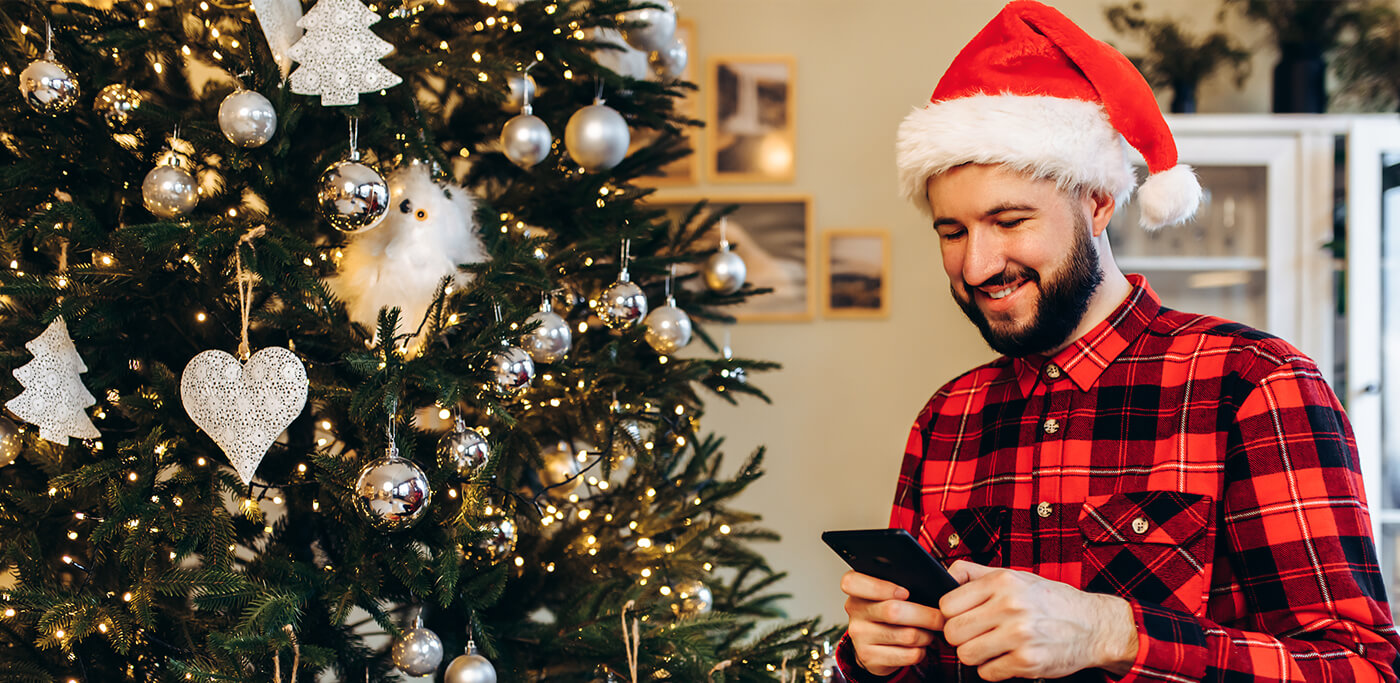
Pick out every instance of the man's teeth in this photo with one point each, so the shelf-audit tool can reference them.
(1002, 292)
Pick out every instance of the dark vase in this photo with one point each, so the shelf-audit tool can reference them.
(1183, 97)
(1300, 79)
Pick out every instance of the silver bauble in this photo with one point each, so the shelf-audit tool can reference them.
(725, 271)
(169, 192)
(549, 342)
(391, 493)
(115, 104)
(496, 542)
(559, 464)
(668, 328)
(10, 441)
(597, 137)
(47, 87)
(247, 118)
(526, 139)
(511, 371)
(465, 451)
(622, 304)
(652, 29)
(352, 196)
(470, 668)
(691, 598)
(670, 61)
(417, 652)
(522, 90)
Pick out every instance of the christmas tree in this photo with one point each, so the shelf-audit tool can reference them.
(373, 383)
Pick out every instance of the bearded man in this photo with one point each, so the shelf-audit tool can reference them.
(1130, 492)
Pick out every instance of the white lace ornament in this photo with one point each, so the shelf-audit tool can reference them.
(278, 19)
(54, 397)
(339, 55)
(244, 407)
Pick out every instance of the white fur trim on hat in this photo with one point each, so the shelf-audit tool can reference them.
(1068, 141)
(1169, 197)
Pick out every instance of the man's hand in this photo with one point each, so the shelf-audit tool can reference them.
(888, 632)
(1011, 623)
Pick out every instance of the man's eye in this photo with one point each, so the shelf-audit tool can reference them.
(1011, 223)
(951, 234)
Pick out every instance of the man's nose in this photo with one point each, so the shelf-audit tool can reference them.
(984, 259)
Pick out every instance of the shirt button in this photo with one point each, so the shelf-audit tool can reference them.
(1052, 371)
(1051, 426)
(1140, 525)
(954, 540)
(1044, 509)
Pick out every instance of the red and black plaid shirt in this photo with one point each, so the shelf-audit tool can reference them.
(1198, 468)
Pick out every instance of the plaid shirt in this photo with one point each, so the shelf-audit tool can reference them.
(1198, 468)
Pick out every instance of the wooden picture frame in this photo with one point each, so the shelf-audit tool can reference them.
(773, 234)
(752, 129)
(855, 273)
(684, 172)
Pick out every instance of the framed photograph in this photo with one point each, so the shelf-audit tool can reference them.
(752, 128)
(773, 235)
(855, 273)
(686, 171)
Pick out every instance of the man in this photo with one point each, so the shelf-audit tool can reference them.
(1130, 492)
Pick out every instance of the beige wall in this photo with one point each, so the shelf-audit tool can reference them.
(849, 390)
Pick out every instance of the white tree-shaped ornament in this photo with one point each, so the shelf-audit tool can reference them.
(339, 56)
(54, 397)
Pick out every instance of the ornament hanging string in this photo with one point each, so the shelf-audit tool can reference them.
(245, 287)
(631, 642)
(720, 667)
(296, 657)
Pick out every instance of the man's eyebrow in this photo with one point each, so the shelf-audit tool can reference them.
(999, 208)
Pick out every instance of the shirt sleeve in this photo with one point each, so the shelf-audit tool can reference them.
(1307, 592)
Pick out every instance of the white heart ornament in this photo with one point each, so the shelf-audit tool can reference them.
(244, 407)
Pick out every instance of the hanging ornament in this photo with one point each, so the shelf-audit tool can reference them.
(597, 137)
(47, 87)
(391, 493)
(54, 397)
(691, 598)
(244, 406)
(417, 651)
(496, 542)
(651, 28)
(247, 118)
(279, 20)
(511, 371)
(559, 469)
(668, 328)
(622, 304)
(525, 138)
(170, 190)
(115, 105)
(464, 450)
(470, 668)
(670, 61)
(522, 89)
(549, 342)
(725, 271)
(10, 441)
(339, 55)
(352, 196)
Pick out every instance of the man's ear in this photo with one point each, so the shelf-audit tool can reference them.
(1101, 206)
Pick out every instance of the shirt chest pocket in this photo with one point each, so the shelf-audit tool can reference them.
(1152, 546)
(973, 534)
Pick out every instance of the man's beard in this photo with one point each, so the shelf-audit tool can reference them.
(1061, 306)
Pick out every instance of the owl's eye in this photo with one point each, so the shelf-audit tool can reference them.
(405, 206)
(422, 215)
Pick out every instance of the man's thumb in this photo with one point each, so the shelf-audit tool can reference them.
(964, 571)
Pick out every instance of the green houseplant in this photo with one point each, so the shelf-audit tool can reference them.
(1175, 58)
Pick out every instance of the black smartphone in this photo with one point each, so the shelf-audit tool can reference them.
(893, 555)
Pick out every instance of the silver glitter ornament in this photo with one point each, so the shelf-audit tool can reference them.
(418, 651)
(465, 450)
(668, 328)
(247, 118)
(691, 598)
(511, 371)
(47, 87)
(526, 139)
(559, 469)
(496, 542)
(549, 342)
(652, 28)
(522, 90)
(352, 196)
(391, 493)
(671, 60)
(597, 137)
(169, 191)
(10, 441)
(622, 304)
(470, 668)
(115, 105)
(725, 271)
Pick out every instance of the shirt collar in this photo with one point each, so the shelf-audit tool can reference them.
(1085, 359)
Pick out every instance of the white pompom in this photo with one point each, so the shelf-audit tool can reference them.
(1169, 197)
(428, 232)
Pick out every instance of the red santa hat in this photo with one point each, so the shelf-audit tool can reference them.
(1034, 92)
